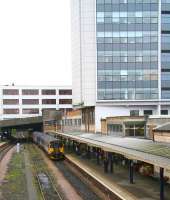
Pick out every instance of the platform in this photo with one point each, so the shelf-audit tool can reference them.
(144, 188)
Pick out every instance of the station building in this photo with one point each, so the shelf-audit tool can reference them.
(121, 54)
(29, 101)
(134, 126)
(146, 126)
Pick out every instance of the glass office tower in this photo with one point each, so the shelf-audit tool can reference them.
(122, 56)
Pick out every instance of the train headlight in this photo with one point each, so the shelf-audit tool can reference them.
(51, 150)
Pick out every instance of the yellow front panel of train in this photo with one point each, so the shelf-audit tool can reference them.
(51, 150)
(61, 149)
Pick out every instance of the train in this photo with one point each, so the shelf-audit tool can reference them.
(51, 145)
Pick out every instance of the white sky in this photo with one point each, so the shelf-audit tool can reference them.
(35, 42)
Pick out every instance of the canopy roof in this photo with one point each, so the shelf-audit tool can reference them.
(164, 127)
(133, 148)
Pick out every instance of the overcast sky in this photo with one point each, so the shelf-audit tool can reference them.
(35, 42)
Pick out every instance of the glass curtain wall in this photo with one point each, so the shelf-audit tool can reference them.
(127, 49)
(165, 49)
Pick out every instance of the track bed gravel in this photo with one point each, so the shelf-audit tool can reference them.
(84, 190)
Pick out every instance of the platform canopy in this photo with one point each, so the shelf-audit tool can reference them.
(145, 150)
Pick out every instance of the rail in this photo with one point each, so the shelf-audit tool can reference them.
(47, 187)
(4, 149)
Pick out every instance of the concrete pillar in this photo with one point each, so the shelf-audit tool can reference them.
(131, 171)
(159, 109)
(161, 183)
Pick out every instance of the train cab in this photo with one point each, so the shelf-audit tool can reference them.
(56, 150)
(50, 144)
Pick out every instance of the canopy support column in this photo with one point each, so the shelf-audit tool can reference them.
(98, 156)
(161, 183)
(131, 171)
(111, 162)
(88, 152)
(106, 162)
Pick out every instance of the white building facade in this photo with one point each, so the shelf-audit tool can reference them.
(121, 52)
(29, 101)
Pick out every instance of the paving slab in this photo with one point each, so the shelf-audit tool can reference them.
(144, 188)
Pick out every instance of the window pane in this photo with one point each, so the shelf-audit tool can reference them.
(48, 92)
(65, 101)
(10, 101)
(147, 112)
(10, 92)
(10, 111)
(30, 101)
(48, 101)
(30, 92)
(134, 112)
(164, 112)
(30, 111)
(65, 92)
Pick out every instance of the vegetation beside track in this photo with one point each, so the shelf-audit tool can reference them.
(48, 187)
(14, 186)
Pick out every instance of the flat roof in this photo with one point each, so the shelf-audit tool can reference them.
(35, 86)
(133, 148)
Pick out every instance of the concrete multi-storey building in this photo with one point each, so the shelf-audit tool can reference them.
(121, 57)
(29, 101)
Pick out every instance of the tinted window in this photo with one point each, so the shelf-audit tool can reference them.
(11, 111)
(48, 92)
(30, 101)
(30, 92)
(65, 101)
(65, 92)
(10, 92)
(10, 101)
(30, 111)
(48, 101)
(147, 112)
(134, 112)
(164, 112)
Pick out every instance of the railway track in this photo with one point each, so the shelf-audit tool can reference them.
(90, 182)
(4, 149)
(73, 176)
(47, 186)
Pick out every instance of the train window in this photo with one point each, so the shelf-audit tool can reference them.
(56, 144)
(60, 144)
